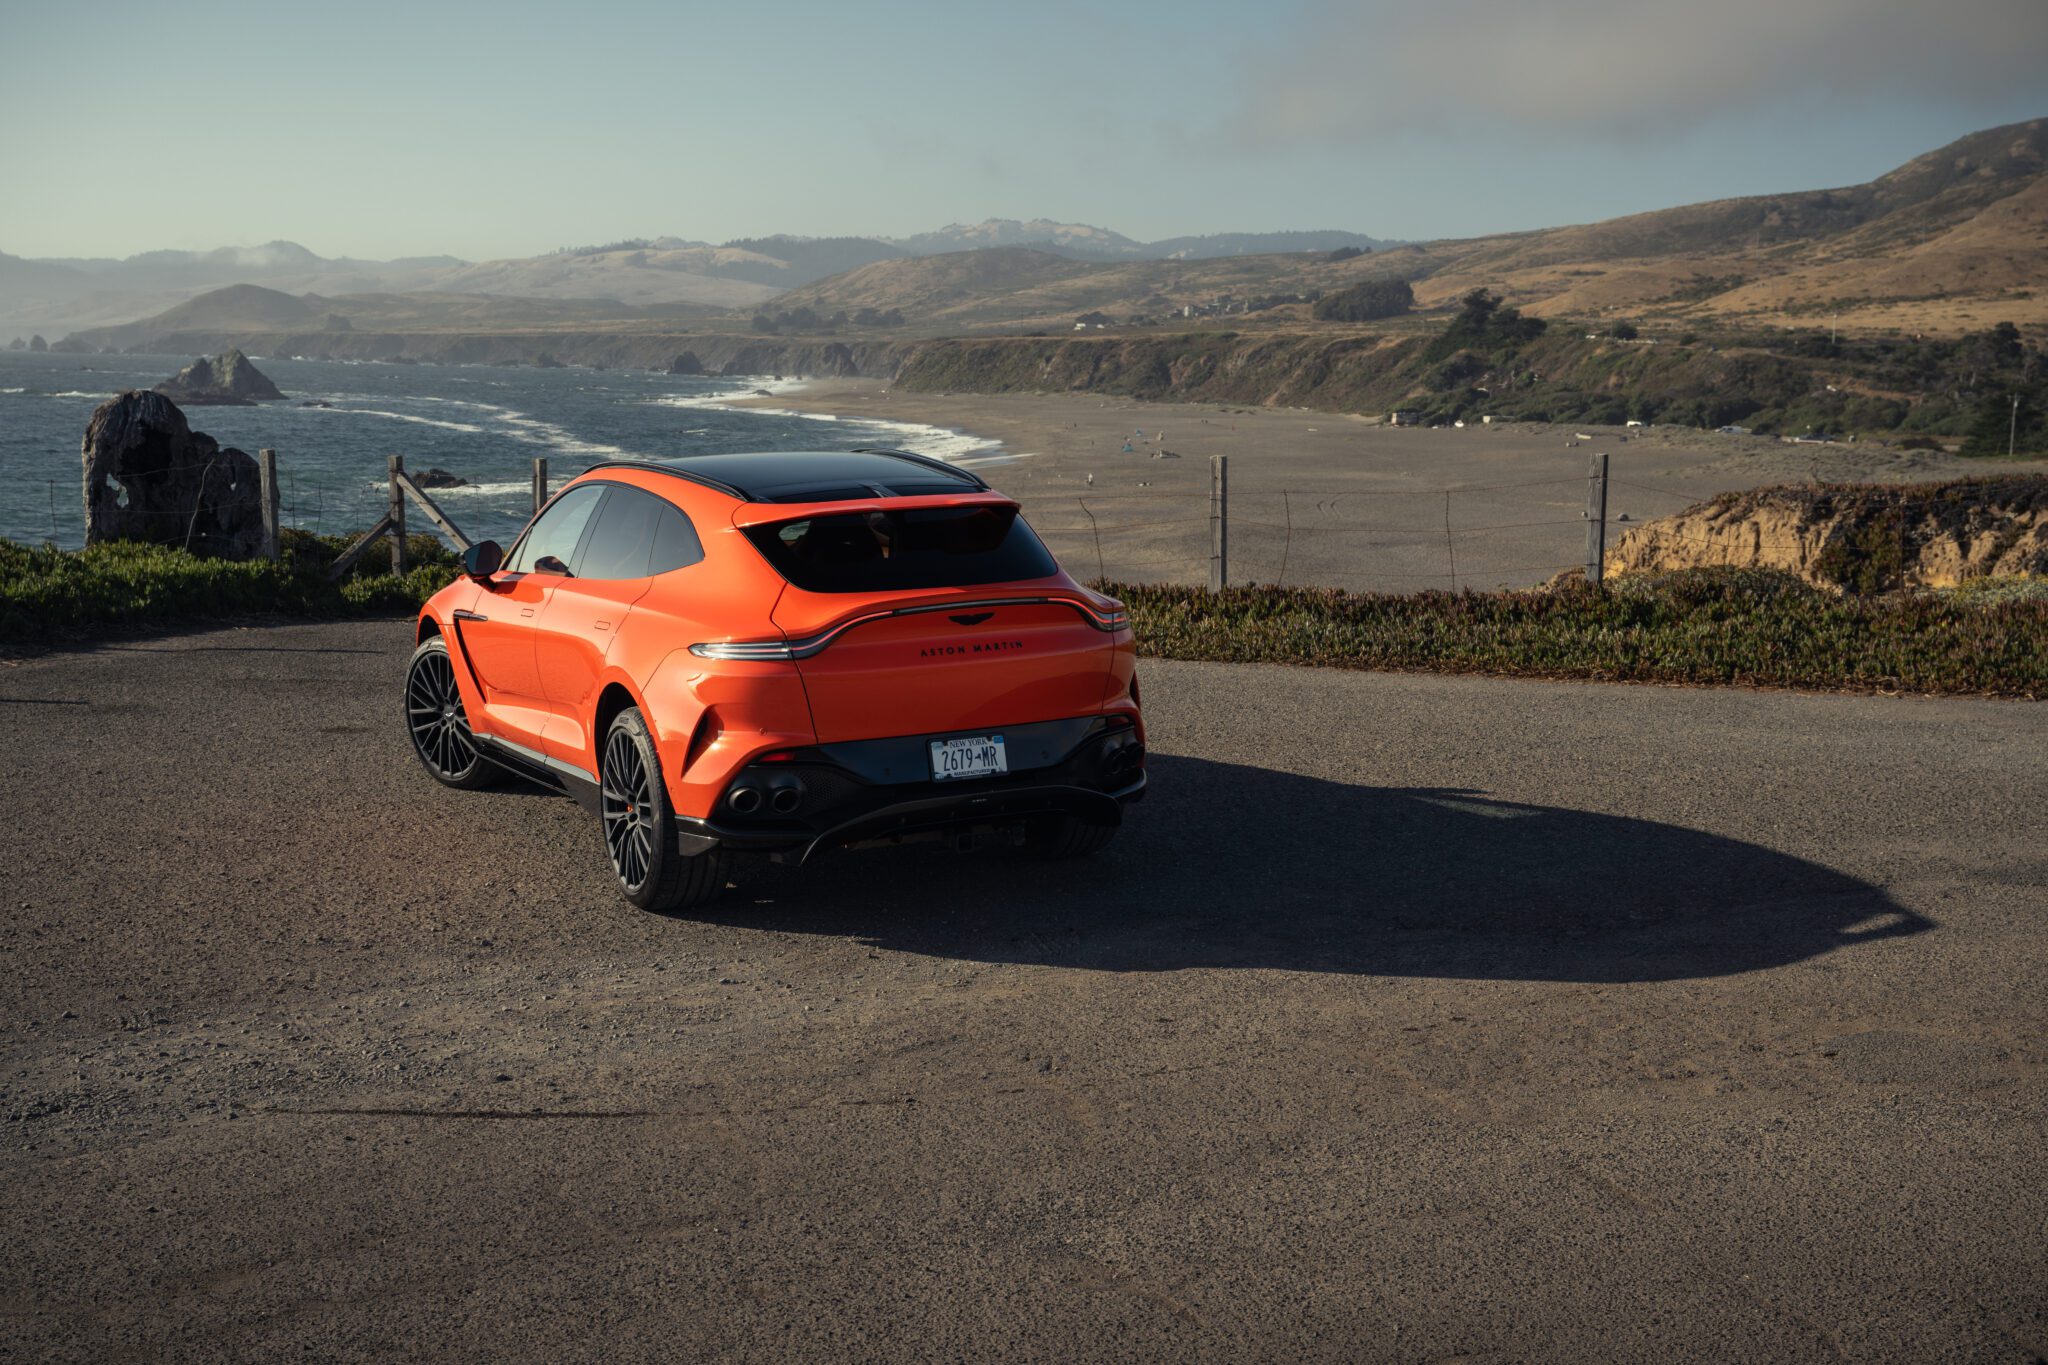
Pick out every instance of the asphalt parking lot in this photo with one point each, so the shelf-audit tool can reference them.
(1412, 1018)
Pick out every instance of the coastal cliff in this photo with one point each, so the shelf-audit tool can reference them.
(1489, 362)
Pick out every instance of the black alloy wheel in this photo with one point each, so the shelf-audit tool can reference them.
(628, 809)
(435, 720)
(640, 828)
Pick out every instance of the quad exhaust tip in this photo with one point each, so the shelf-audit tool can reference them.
(784, 795)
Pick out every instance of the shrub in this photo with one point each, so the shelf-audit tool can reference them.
(46, 592)
(1698, 626)
(1366, 302)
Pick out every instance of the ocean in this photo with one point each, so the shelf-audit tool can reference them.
(483, 423)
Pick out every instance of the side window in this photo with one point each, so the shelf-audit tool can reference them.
(619, 544)
(554, 537)
(675, 542)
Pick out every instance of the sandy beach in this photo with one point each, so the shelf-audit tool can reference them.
(1324, 498)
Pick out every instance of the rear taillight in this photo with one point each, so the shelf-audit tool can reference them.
(1110, 618)
(745, 651)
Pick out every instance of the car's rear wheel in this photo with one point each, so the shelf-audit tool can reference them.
(1060, 837)
(640, 827)
(435, 720)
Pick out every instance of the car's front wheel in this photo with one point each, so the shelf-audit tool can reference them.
(640, 827)
(437, 723)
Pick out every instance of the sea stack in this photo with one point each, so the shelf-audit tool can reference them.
(225, 380)
(149, 476)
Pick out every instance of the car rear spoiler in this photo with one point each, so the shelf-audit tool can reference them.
(767, 513)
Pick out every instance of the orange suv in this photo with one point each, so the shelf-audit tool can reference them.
(783, 653)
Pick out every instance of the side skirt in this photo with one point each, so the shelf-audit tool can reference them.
(538, 768)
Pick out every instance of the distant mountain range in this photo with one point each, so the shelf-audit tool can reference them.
(1952, 241)
(65, 294)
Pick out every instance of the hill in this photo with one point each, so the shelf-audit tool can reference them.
(1923, 247)
(1948, 242)
(253, 317)
(631, 275)
(1011, 288)
(1085, 243)
(1077, 239)
(66, 294)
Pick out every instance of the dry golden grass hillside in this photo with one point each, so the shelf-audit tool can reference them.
(1948, 242)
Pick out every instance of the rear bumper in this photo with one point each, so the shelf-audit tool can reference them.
(1090, 769)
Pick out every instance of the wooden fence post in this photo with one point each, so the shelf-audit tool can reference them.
(1219, 522)
(540, 483)
(266, 466)
(344, 561)
(397, 516)
(433, 510)
(1596, 519)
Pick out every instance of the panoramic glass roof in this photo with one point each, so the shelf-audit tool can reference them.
(826, 475)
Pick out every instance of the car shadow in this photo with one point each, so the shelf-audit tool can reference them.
(1233, 866)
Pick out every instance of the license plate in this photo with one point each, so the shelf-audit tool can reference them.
(982, 756)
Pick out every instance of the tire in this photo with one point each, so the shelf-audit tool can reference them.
(1062, 837)
(640, 827)
(436, 723)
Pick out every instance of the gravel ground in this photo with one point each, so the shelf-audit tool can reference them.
(1414, 1017)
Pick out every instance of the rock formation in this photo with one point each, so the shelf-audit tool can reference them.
(440, 478)
(686, 363)
(17, 345)
(1864, 537)
(36, 343)
(225, 380)
(149, 476)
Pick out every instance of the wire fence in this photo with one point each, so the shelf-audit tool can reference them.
(1482, 535)
(1479, 535)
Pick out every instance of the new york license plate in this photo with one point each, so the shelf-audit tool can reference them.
(981, 756)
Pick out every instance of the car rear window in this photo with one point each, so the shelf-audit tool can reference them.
(919, 547)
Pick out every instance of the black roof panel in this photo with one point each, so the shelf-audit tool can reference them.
(817, 475)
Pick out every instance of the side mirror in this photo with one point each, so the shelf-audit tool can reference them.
(482, 559)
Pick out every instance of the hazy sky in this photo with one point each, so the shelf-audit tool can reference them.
(503, 129)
